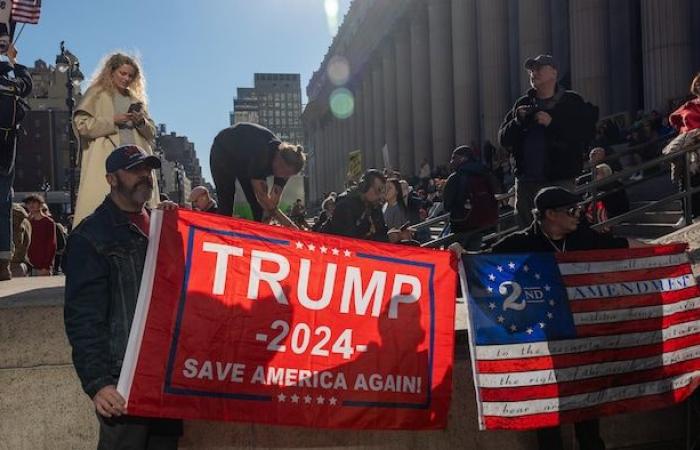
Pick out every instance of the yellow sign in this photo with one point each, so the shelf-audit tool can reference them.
(354, 165)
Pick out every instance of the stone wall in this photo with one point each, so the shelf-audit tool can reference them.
(43, 407)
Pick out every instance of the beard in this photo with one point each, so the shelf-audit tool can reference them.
(138, 193)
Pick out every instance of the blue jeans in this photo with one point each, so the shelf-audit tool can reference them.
(7, 176)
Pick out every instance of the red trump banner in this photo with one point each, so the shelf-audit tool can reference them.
(247, 322)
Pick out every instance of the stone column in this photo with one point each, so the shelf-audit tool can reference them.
(359, 119)
(465, 58)
(337, 154)
(347, 145)
(352, 122)
(534, 34)
(378, 115)
(313, 171)
(390, 115)
(402, 43)
(625, 81)
(322, 157)
(561, 49)
(367, 122)
(420, 87)
(666, 51)
(590, 69)
(492, 20)
(441, 82)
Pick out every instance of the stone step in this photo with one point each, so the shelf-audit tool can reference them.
(658, 217)
(643, 230)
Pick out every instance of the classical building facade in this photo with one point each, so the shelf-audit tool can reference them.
(426, 75)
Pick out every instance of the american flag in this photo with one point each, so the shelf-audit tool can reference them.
(557, 338)
(26, 11)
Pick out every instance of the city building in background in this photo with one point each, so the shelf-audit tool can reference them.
(245, 106)
(179, 149)
(173, 181)
(274, 102)
(43, 160)
(418, 77)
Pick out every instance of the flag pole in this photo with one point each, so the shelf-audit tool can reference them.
(19, 33)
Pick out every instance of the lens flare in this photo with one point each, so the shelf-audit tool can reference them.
(332, 8)
(342, 103)
(338, 70)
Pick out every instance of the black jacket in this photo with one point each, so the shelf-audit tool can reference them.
(103, 263)
(456, 192)
(571, 129)
(353, 218)
(531, 239)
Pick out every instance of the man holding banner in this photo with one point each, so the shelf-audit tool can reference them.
(103, 263)
(555, 229)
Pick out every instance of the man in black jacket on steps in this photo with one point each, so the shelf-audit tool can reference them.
(547, 131)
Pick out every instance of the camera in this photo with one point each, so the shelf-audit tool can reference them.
(528, 117)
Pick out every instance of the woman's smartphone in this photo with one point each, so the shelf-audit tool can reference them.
(135, 107)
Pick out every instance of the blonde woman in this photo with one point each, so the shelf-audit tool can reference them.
(112, 113)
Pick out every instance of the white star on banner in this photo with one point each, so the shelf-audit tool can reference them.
(333, 401)
(537, 276)
(300, 245)
(490, 289)
(295, 398)
(550, 315)
(526, 268)
(542, 324)
(513, 328)
(501, 319)
(492, 277)
(499, 268)
(547, 288)
(529, 330)
(312, 247)
(324, 249)
(336, 252)
(346, 253)
(492, 305)
(511, 265)
(551, 303)
(320, 400)
(281, 397)
(307, 399)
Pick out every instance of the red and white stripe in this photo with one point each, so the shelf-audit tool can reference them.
(26, 11)
(637, 317)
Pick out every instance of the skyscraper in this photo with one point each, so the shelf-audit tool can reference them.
(274, 102)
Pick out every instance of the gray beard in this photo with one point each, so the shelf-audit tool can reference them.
(136, 194)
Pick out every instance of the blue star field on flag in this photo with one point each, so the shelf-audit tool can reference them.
(515, 298)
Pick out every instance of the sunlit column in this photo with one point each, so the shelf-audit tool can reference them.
(465, 59)
(420, 87)
(441, 83)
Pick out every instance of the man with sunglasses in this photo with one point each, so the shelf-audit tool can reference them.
(559, 227)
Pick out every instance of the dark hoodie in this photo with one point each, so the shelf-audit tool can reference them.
(457, 192)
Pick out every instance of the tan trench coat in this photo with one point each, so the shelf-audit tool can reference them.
(93, 122)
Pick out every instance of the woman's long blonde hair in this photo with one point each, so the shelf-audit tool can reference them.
(102, 77)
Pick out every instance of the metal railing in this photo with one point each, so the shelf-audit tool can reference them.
(595, 192)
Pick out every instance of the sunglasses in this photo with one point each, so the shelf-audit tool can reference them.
(573, 211)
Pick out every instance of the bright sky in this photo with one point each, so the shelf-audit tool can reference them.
(194, 53)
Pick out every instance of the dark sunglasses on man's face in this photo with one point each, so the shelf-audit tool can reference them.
(573, 211)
